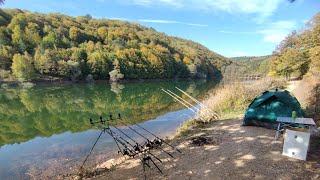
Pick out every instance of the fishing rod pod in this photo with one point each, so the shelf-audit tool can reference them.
(136, 148)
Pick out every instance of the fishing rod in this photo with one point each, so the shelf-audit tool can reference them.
(107, 129)
(116, 137)
(179, 101)
(122, 141)
(138, 150)
(176, 97)
(144, 160)
(185, 101)
(198, 102)
(150, 144)
(159, 140)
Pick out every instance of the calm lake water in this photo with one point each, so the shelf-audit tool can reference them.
(44, 130)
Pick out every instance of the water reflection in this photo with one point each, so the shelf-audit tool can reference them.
(117, 88)
(44, 129)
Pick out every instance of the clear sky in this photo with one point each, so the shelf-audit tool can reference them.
(228, 27)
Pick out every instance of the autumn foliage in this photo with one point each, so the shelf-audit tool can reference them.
(77, 47)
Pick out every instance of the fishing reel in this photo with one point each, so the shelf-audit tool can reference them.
(153, 144)
(127, 152)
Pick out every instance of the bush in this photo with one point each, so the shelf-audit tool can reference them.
(4, 74)
(313, 100)
(22, 67)
(236, 97)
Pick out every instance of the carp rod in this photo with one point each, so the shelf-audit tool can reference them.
(198, 102)
(187, 104)
(177, 99)
(149, 144)
(158, 140)
(126, 151)
(124, 141)
(145, 159)
(143, 151)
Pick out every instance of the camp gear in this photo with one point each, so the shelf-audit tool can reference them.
(264, 110)
(294, 115)
(288, 122)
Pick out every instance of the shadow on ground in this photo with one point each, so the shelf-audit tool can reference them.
(230, 151)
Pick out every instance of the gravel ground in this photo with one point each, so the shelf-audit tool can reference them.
(230, 151)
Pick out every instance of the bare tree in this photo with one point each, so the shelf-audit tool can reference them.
(1, 1)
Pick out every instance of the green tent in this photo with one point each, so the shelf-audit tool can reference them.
(264, 110)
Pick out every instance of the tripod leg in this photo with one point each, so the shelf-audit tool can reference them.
(91, 149)
(144, 170)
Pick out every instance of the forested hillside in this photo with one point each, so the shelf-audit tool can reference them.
(249, 66)
(299, 52)
(298, 55)
(35, 46)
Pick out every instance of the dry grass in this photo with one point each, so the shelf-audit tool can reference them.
(229, 102)
(313, 101)
(232, 99)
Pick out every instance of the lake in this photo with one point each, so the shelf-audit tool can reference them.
(44, 130)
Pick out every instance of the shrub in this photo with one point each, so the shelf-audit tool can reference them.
(236, 97)
(22, 67)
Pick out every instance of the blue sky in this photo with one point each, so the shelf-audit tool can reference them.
(228, 27)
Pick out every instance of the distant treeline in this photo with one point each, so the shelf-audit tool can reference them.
(248, 66)
(297, 55)
(299, 52)
(34, 46)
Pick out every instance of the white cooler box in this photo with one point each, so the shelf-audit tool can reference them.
(296, 143)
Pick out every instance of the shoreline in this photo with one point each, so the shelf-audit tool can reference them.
(68, 82)
(188, 129)
(230, 151)
(180, 133)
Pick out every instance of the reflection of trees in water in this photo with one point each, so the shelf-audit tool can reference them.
(44, 111)
(117, 88)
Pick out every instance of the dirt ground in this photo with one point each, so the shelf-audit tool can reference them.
(232, 152)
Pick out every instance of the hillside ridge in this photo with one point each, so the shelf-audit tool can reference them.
(34, 45)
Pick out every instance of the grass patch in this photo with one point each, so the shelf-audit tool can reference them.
(186, 126)
(232, 115)
(229, 102)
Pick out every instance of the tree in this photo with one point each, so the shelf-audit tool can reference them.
(98, 63)
(74, 70)
(292, 60)
(2, 1)
(45, 62)
(22, 67)
(5, 36)
(315, 61)
(75, 34)
(6, 57)
(94, 44)
(103, 33)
